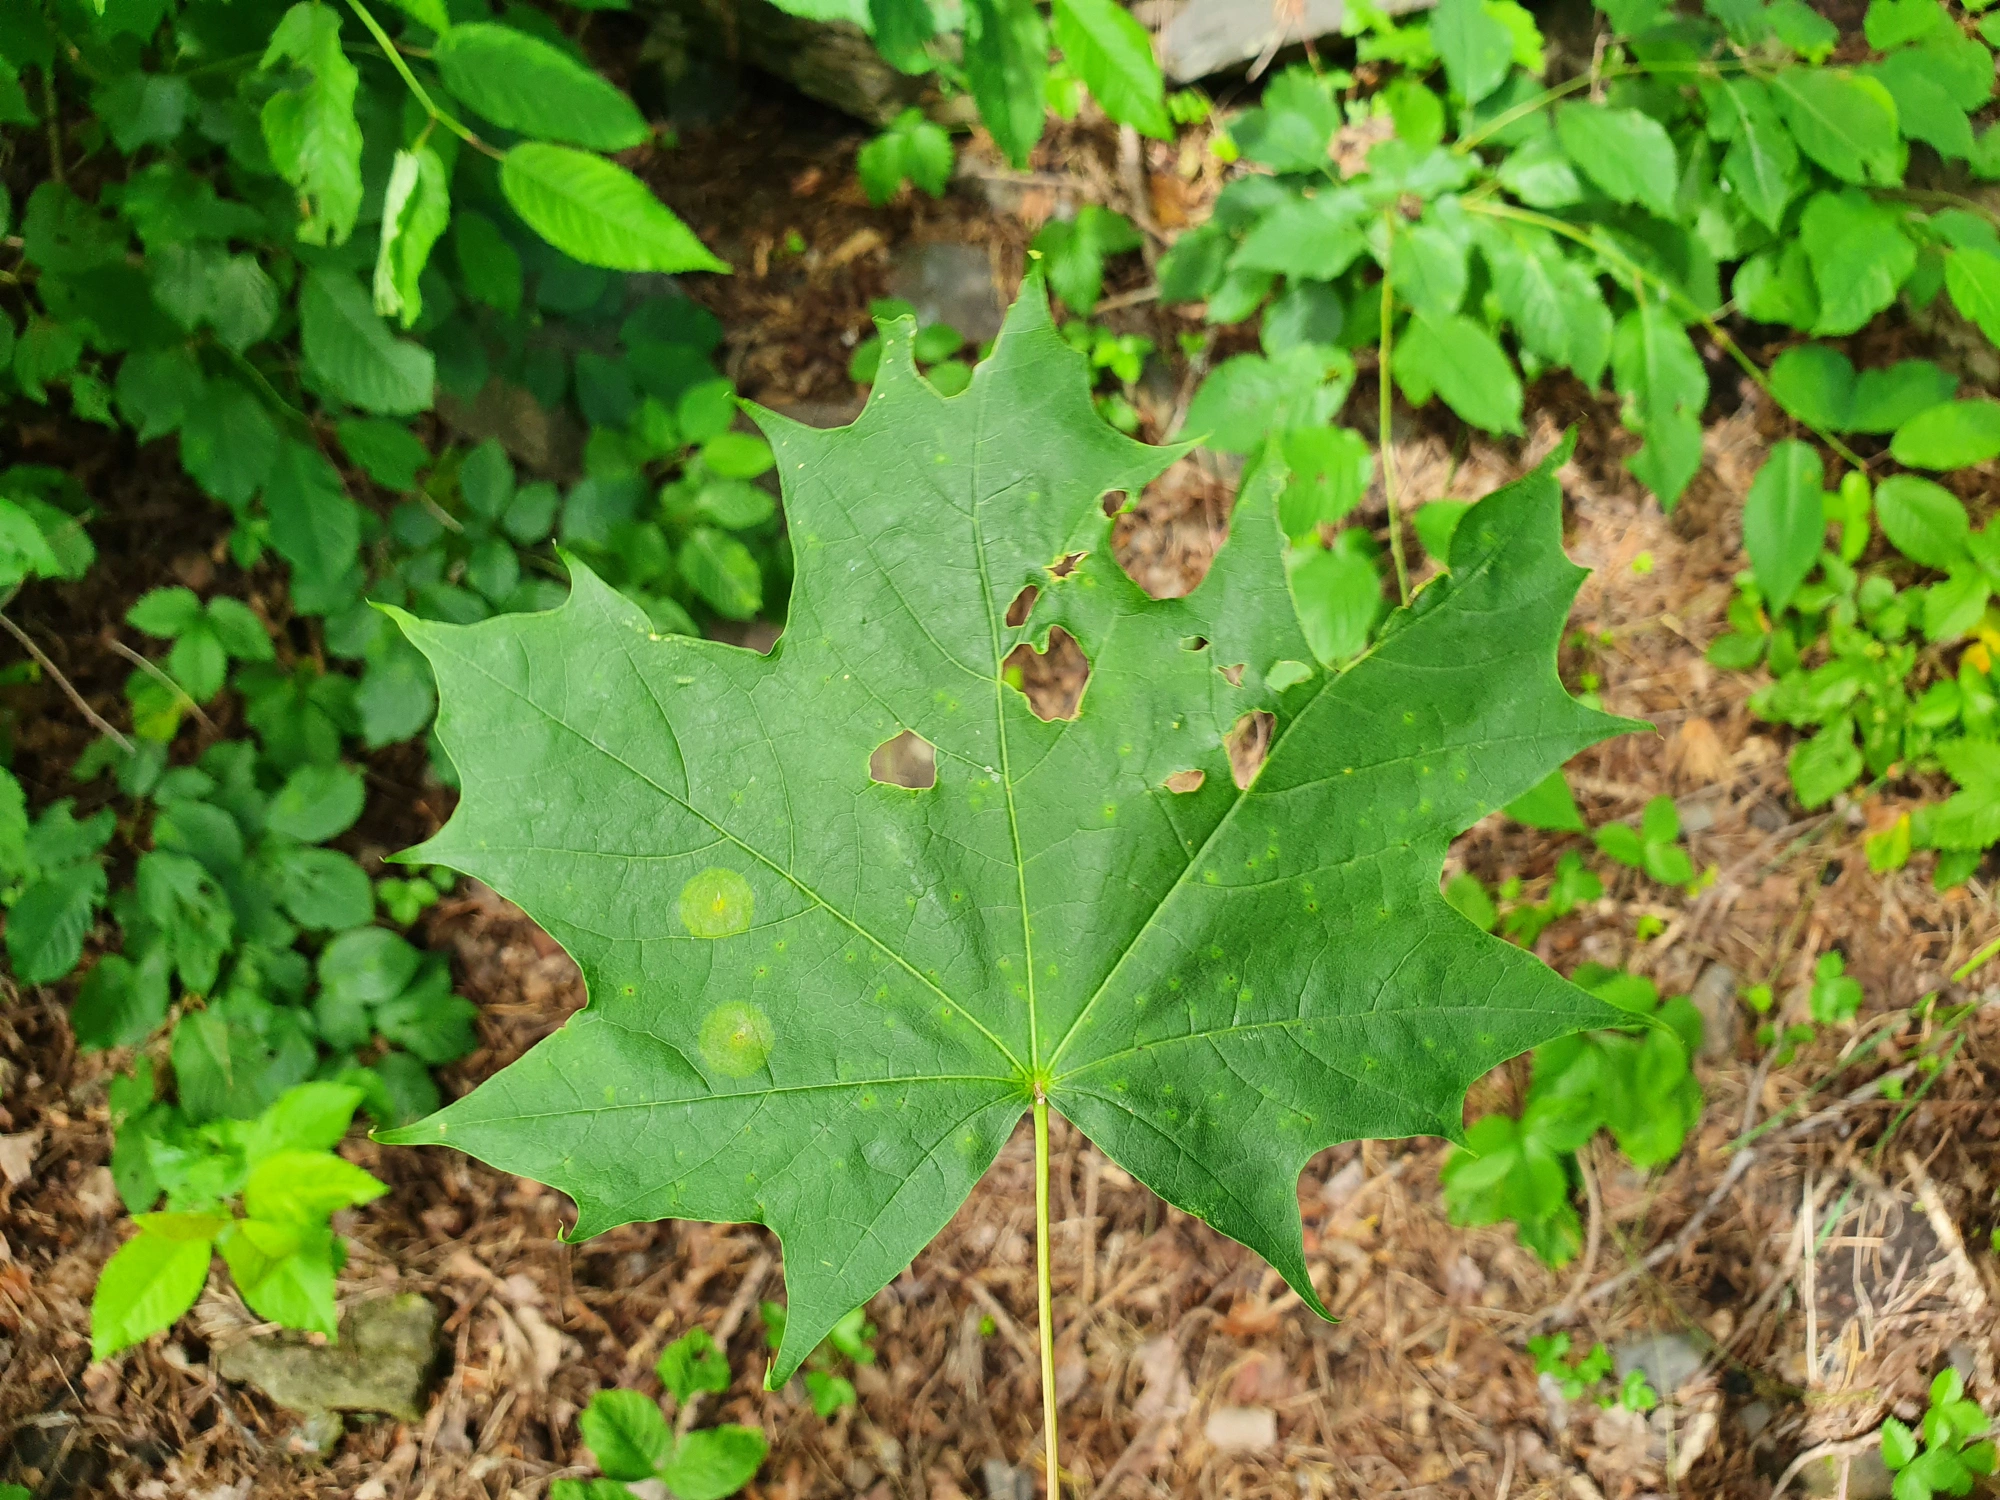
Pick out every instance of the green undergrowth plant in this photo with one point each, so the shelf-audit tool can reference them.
(1636, 1082)
(1890, 674)
(258, 1190)
(632, 1443)
(823, 1003)
(1951, 1450)
(852, 1339)
(1709, 168)
(945, 355)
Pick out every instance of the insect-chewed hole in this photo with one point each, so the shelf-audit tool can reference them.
(1248, 742)
(906, 760)
(1052, 680)
(1017, 612)
(1114, 501)
(1233, 673)
(1065, 565)
(1194, 643)
(1186, 781)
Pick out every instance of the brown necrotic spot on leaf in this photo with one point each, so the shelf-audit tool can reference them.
(1186, 781)
(1052, 680)
(1248, 742)
(1017, 612)
(905, 760)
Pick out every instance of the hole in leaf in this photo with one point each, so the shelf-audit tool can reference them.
(1052, 680)
(1248, 742)
(1194, 643)
(1065, 565)
(1115, 501)
(1232, 674)
(1017, 612)
(1167, 539)
(906, 760)
(1186, 781)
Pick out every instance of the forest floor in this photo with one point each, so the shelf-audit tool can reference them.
(1784, 1294)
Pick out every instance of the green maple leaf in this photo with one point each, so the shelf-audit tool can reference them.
(822, 1003)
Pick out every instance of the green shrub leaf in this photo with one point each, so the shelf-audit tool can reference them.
(1456, 358)
(1664, 387)
(1112, 53)
(350, 348)
(1926, 522)
(152, 1279)
(1007, 63)
(1843, 121)
(597, 212)
(415, 212)
(1626, 153)
(1784, 522)
(309, 124)
(523, 84)
(1859, 254)
(1952, 435)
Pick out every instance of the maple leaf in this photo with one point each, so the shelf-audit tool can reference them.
(823, 1003)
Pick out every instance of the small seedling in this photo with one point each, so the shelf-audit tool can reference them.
(1550, 1353)
(1653, 846)
(632, 1442)
(850, 1338)
(1835, 997)
(1954, 1449)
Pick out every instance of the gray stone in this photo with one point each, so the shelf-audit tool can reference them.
(949, 283)
(1868, 1478)
(386, 1354)
(1668, 1359)
(1206, 36)
(1005, 1482)
(1714, 995)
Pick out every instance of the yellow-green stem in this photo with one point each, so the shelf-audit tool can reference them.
(417, 90)
(1383, 439)
(1045, 1298)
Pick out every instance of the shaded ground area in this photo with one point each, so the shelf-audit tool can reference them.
(1786, 1295)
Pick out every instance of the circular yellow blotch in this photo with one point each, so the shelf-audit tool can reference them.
(736, 1039)
(717, 903)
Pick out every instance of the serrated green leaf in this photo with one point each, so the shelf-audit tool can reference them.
(1106, 47)
(1293, 124)
(284, 1271)
(314, 526)
(1926, 522)
(1859, 254)
(388, 452)
(322, 889)
(1629, 155)
(1314, 239)
(306, 1187)
(350, 348)
(1540, 175)
(1889, 24)
(1973, 279)
(1553, 302)
(1815, 383)
(490, 267)
(722, 571)
(152, 1279)
(415, 210)
(1011, 954)
(714, 1462)
(317, 803)
(1887, 396)
(1952, 435)
(1074, 252)
(309, 123)
(1664, 387)
(1476, 49)
(626, 1434)
(597, 212)
(1457, 359)
(1776, 286)
(1925, 110)
(1843, 121)
(523, 84)
(1762, 164)
(165, 612)
(1783, 521)
(1006, 64)
(1548, 804)
(912, 149)
(48, 923)
(1430, 269)
(692, 1363)
(1337, 592)
(1244, 399)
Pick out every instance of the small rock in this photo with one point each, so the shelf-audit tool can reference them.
(1242, 1427)
(1210, 35)
(1005, 1482)
(1868, 1478)
(1714, 995)
(1754, 1417)
(1669, 1360)
(383, 1362)
(316, 1436)
(951, 284)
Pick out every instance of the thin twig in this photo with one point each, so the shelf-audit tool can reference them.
(153, 669)
(102, 725)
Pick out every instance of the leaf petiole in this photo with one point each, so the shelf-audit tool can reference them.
(422, 96)
(1384, 441)
(1043, 1291)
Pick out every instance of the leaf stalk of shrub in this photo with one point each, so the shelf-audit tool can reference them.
(422, 96)
(1044, 1295)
